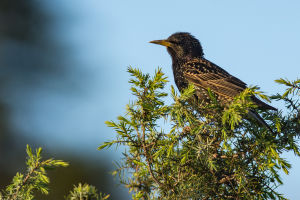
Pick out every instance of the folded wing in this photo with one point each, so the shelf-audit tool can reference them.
(205, 74)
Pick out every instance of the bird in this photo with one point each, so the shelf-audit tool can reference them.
(190, 67)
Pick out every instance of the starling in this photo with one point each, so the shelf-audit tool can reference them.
(190, 66)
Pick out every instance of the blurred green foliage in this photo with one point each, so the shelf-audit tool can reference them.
(23, 186)
(26, 186)
(86, 192)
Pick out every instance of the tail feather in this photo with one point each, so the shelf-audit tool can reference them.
(262, 104)
(256, 116)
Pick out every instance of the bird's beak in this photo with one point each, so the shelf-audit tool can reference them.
(161, 42)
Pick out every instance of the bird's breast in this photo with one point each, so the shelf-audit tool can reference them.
(179, 78)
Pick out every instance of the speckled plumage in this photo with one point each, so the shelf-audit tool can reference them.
(190, 66)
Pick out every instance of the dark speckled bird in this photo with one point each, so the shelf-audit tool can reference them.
(190, 66)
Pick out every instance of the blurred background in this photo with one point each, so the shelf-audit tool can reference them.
(63, 72)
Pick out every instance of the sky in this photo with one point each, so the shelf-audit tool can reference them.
(256, 41)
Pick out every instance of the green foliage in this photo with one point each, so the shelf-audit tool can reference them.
(293, 86)
(201, 151)
(24, 186)
(86, 192)
(289, 122)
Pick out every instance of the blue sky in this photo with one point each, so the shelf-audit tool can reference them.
(257, 41)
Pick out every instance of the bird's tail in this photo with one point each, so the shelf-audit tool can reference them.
(256, 116)
(261, 104)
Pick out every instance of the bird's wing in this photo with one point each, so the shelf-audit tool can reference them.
(205, 74)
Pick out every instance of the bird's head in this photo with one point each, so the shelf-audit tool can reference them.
(182, 45)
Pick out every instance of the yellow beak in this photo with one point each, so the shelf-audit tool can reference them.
(161, 42)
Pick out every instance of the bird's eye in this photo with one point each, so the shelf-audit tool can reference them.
(173, 42)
